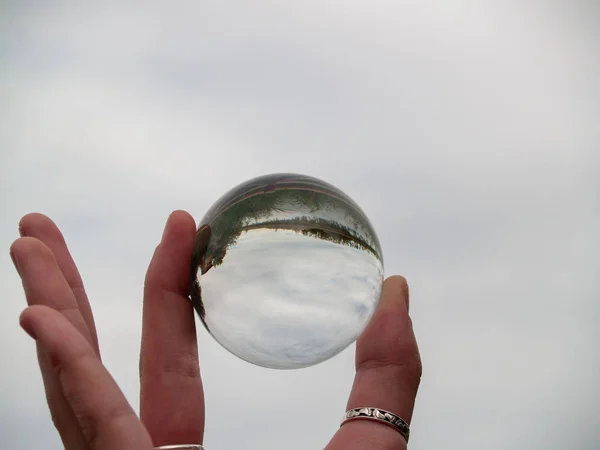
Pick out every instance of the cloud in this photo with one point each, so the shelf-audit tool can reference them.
(285, 300)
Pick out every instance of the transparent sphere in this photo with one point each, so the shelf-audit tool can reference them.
(286, 271)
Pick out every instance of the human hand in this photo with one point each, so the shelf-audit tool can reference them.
(88, 408)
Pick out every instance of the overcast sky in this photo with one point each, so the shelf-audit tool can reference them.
(467, 131)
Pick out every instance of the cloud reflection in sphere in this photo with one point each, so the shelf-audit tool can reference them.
(286, 272)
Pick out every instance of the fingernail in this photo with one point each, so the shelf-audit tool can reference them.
(14, 260)
(29, 330)
(166, 227)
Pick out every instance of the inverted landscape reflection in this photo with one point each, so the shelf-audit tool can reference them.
(286, 271)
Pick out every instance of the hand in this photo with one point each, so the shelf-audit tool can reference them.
(88, 408)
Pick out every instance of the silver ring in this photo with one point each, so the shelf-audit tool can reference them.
(380, 415)
(180, 447)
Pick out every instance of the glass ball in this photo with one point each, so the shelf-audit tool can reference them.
(286, 271)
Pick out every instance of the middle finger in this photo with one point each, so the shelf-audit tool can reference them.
(43, 281)
(44, 229)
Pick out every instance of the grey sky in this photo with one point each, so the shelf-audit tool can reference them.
(468, 132)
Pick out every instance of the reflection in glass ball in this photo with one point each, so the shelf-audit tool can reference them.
(286, 271)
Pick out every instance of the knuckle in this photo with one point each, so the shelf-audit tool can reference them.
(116, 419)
(63, 369)
(414, 372)
(94, 425)
(409, 369)
(77, 287)
(184, 365)
(96, 428)
(68, 309)
(59, 411)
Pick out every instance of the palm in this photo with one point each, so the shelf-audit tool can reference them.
(171, 393)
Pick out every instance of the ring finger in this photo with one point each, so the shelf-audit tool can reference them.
(388, 372)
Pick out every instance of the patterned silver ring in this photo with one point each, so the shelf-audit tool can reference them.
(380, 415)
(180, 447)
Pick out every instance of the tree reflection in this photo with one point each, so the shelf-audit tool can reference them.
(278, 202)
(198, 255)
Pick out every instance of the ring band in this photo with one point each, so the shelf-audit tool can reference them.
(380, 415)
(180, 447)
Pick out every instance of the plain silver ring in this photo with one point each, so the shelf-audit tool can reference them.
(180, 447)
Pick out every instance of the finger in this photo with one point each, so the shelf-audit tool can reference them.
(172, 399)
(388, 372)
(104, 417)
(62, 415)
(43, 228)
(44, 284)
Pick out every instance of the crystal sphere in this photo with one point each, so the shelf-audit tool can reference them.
(286, 271)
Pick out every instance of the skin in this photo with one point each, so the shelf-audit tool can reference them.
(90, 411)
